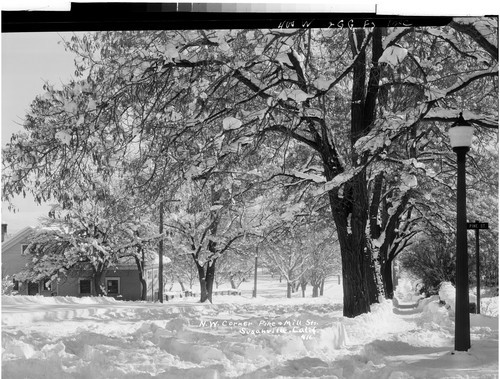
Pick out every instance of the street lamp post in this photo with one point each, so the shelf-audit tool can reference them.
(461, 138)
(160, 258)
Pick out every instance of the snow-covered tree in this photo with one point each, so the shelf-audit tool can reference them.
(163, 106)
(236, 266)
(206, 222)
(182, 270)
(284, 251)
(432, 260)
(92, 236)
(323, 259)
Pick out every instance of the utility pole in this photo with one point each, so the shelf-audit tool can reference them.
(160, 257)
(255, 272)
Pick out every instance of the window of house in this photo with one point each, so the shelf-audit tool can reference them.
(113, 286)
(33, 288)
(84, 286)
(24, 247)
(16, 285)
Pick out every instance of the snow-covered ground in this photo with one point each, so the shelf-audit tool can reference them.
(241, 337)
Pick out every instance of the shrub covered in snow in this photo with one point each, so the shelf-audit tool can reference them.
(8, 286)
(432, 260)
(447, 295)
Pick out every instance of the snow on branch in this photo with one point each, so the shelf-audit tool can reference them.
(313, 177)
(250, 84)
(287, 131)
(434, 94)
(465, 80)
(297, 60)
(331, 83)
(296, 95)
(452, 40)
(336, 182)
(141, 241)
(374, 141)
(449, 115)
(482, 30)
(393, 55)
(389, 128)
(395, 36)
(231, 123)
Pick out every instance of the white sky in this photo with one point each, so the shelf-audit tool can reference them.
(28, 60)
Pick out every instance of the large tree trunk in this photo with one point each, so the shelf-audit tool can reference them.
(202, 280)
(349, 214)
(206, 277)
(374, 252)
(289, 286)
(97, 277)
(350, 209)
(144, 286)
(203, 285)
(210, 278)
(355, 289)
(315, 290)
(387, 276)
(233, 284)
(322, 287)
(371, 278)
(387, 254)
(357, 258)
(183, 287)
(303, 285)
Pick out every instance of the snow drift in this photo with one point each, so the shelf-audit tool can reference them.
(239, 337)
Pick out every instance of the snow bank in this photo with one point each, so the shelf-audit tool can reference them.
(381, 315)
(238, 337)
(379, 322)
(424, 349)
(434, 314)
(447, 294)
(489, 306)
(24, 310)
(56, 300)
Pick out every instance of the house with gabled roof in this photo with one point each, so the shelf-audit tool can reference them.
(15, 259)
(120, 281)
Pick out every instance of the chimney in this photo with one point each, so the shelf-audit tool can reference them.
(4, 231)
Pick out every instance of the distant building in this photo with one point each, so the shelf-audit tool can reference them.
(14, 259)
(121, 281)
